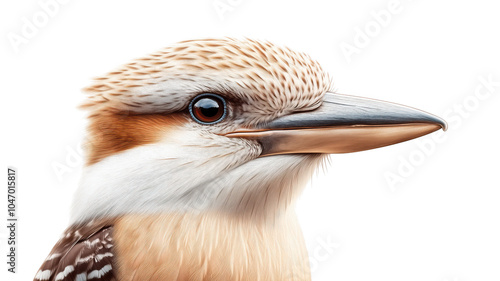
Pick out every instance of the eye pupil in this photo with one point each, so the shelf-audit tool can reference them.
(208, 108)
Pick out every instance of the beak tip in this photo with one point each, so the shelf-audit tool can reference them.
(444, 126)
(441, 123)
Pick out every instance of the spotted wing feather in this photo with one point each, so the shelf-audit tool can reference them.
(85, 252)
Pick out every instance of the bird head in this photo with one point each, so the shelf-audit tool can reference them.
(223, 125)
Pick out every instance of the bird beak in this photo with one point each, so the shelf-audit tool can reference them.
(342, 124)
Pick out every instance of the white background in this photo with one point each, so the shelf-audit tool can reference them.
(440, 221)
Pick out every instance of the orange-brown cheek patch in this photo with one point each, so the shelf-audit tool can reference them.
(113, 133)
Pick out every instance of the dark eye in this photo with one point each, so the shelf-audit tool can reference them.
(208, 108)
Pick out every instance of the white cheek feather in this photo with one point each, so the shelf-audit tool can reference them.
(187, 171)
(159, 176)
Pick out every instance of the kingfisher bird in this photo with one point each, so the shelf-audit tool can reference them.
(195, 157)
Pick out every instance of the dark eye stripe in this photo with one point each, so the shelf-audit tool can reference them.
(208, 108)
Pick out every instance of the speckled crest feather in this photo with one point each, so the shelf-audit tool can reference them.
(273, 80)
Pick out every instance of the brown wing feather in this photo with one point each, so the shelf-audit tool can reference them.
(85, 252)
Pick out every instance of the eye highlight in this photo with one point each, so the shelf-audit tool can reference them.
(208, 108)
